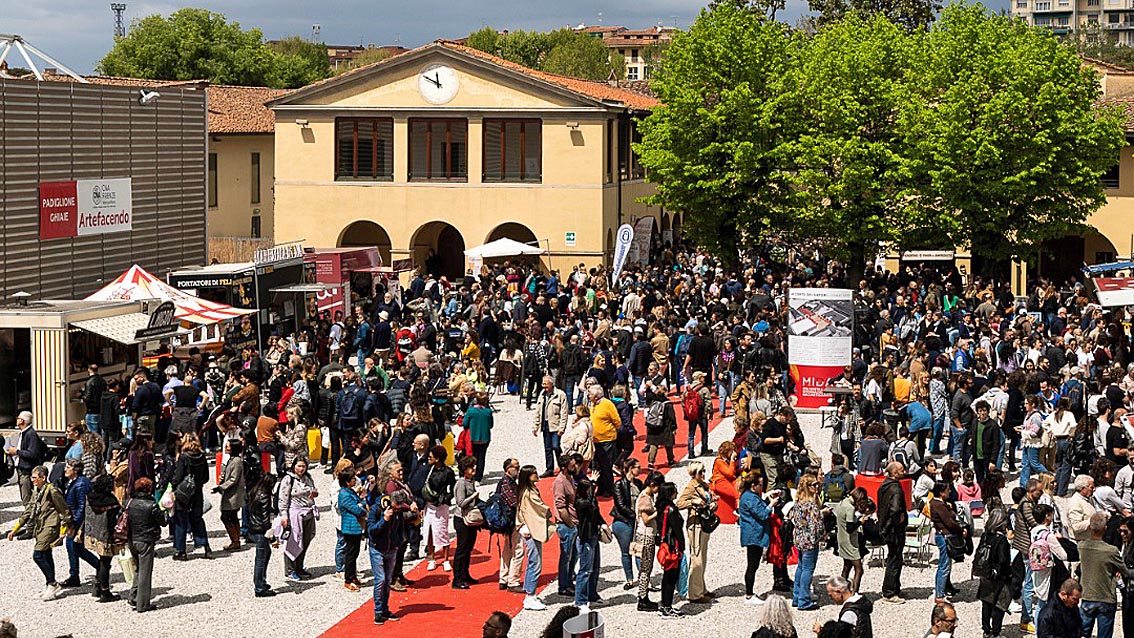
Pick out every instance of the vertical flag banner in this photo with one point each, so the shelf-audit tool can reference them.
(821, 322)
(621, 249)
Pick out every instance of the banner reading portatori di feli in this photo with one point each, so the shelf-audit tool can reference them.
(820, 325)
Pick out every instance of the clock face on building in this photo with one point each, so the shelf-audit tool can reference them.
(437, 83)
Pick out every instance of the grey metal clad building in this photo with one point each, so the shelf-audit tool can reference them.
(65, 131)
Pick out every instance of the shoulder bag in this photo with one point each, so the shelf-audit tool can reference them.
(427, 492)
(668, 556)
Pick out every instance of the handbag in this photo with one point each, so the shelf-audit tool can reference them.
(166, 501)
(475, 517)
(185, 490)
(126, 562)
(709, 519)
(955, 547)
(668, 556)
(604, 534)
(427, 492)
(122, 525)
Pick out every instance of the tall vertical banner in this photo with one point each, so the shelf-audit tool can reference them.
(621, 249)
(821, 322)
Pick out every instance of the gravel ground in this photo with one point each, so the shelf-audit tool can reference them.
(216, 595)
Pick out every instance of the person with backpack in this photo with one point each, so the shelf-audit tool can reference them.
(189, 477)
(1075, 391)
(1025, 521)
(696, 403)
(992, 564)
(1044, 550)
(500, 518)
(838, 482)
(352, 405)
(661, 418)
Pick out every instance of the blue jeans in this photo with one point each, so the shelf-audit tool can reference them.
(1030, 464)
(571, 384)
(75, 551)
(260, 564)
(944, 567)
(624, 534)
(92, 423)
(551, 449)
(1003, 450)
(801, 590)
(534, 551)
(725, 388)
(938, 432)
(46, 563)
(1062, 465)
(1102, 612)
(1026, 595)
(586, 581)
(382, 566)
(340, 551)
(184, 521)
(959, 447)
(567, 557)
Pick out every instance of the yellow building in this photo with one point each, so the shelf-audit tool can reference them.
(240, 164)
(445, 148)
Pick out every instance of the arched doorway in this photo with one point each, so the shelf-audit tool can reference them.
(664, 221)
(364, 234)
(608, 248)
(514, 231)
(440, 249)
(676, 227)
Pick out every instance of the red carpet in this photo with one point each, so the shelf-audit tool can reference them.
(431, 607)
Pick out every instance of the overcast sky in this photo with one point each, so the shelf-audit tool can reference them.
(78, 33)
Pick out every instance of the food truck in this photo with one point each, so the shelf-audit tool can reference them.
(265, 283)
(353, 273)
(46, 346)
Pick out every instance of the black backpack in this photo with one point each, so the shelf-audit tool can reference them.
(983, 564)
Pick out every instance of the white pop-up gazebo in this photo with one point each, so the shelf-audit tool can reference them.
(502, 247)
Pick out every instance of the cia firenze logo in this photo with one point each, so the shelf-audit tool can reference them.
(84, 207)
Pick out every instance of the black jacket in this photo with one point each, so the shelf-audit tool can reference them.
(624, 506)
(1057, 621)
(261, 511)
(441, 481)
(862, 627)
(146, 519)
(31, 450)
(195, 464)
(110, 409)
(639, 360)
(92, 393)
(892, 519)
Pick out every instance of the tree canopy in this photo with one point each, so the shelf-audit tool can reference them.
(910, 14)
(563, 51)
(978, 132)
(197, 44)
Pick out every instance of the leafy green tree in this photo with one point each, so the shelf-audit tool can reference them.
(486, 39)
(710, 147)
(191, 44)
(981, 132)
(911, 14)
(298, 62)
(1010, 144)
(845, 158)
(766, 8)
(583, 57)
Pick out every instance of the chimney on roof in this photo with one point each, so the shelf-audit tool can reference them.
(50, 71)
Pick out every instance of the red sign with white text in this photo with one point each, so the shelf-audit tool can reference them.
(58, 210)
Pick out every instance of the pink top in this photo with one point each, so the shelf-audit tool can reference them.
(968, 493)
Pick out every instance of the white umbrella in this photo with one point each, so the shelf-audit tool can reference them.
(503, 247)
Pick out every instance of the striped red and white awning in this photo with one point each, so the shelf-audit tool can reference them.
(137, 284)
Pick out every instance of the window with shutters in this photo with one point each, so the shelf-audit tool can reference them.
(438, 150)
(364, 149)
(212, 180)
(513, 150)
(255, 182)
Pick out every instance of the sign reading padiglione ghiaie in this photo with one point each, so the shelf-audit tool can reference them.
(85, 207)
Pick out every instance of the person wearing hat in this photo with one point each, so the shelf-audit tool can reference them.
(27, 453)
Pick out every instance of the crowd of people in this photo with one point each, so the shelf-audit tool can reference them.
(1031, 394)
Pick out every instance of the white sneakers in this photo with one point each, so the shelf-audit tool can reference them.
(1015, 608)
(531, 603)
(755, 600)
(584, 609)
(51, 592)
(448, 567)
(432, 566)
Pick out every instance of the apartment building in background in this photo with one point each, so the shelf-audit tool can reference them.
(1112, 17)
(631, 45)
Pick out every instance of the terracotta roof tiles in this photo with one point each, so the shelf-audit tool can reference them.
(240, 109)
